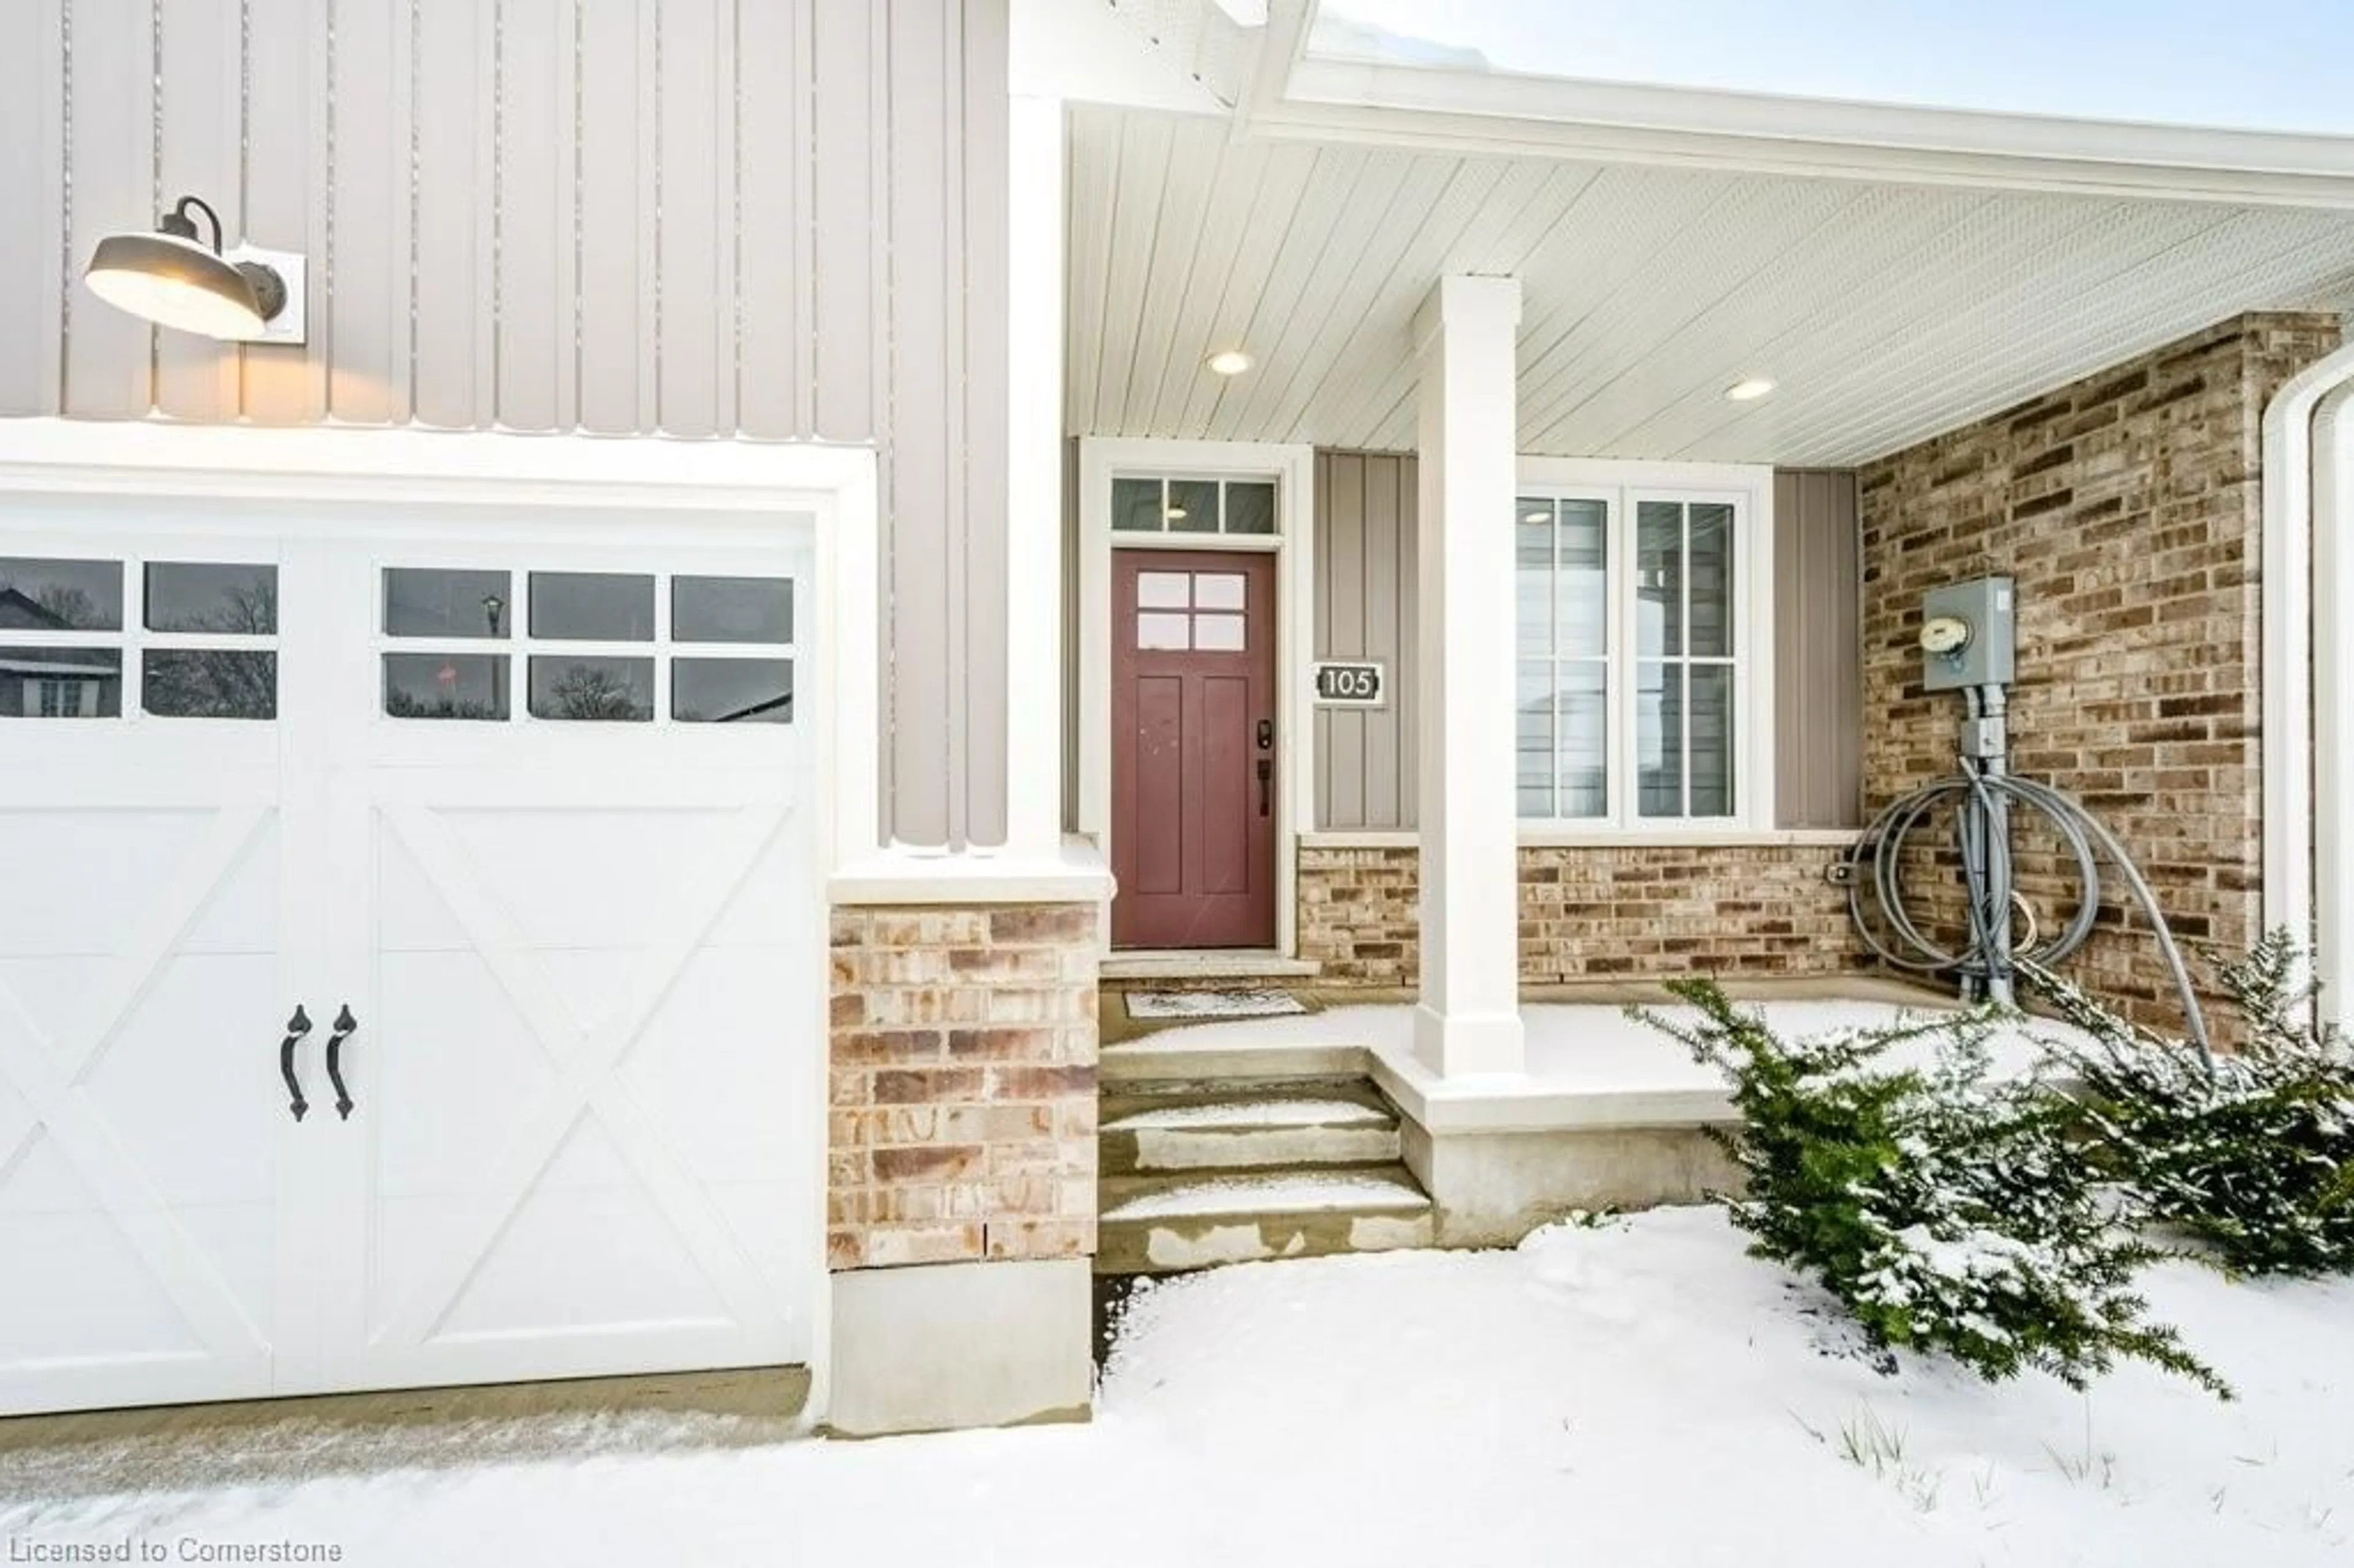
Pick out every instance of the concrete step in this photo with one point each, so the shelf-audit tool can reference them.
(1170, 1057)
(1162, 1223)
(1252, 1126)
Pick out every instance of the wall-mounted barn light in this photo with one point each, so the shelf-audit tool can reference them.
(173, 279)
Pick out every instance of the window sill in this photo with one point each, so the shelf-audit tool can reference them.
(1649, 838)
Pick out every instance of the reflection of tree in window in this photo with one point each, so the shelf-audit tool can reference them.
(219, 683)
(399, 704)
(586, 692)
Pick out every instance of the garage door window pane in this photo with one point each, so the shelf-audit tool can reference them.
(209, 596)
(61, 596)
(731, 609)
(60, 683)
(731, 691)
(424, 601)
(446, 685)
(210, 683)
(593, 607)
(607, 690)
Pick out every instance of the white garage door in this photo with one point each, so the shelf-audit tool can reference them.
(519, 817)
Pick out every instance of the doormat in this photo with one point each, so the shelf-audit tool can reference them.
(1153, 1004)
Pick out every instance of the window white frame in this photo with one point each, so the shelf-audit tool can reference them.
(1621, 486)
(1293, 470)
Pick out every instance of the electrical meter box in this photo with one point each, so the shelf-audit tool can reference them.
(1967, 634)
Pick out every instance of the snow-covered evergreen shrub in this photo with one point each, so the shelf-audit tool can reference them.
(2252, 1156)
(1944, 1210)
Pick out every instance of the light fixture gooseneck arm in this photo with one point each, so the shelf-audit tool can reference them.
(179, 223)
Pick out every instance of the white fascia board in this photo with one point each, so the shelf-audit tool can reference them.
(1766, 133)
(1089, 54)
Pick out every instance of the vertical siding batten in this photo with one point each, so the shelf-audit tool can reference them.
(200, 67)
(609, 219)
(284, 182)
(1321, 718)
(848, 255)
(1381, 559)
(985, 283)
(109, 354)
(536, 261)
(371, 179)
(772, 144)
(922, 619)
(1347, 575)
(34, 261)
(1818, 671)
(451, 203)
(694, 288)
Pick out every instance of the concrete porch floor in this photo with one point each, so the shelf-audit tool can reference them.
(47, 1458)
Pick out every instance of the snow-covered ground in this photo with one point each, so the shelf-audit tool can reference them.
(1637, 1393)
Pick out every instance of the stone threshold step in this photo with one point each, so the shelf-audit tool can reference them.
(1385, 1188)
(1138, 969)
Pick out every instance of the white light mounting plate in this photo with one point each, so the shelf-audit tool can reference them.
(289, 326)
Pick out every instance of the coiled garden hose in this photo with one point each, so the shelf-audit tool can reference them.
(1982, 796)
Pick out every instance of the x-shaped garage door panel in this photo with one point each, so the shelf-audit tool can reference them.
(49, 1069)
(586, 1062)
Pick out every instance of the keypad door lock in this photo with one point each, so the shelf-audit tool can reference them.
(1267, 734)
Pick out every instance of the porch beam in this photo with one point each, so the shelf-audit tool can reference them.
(1469, 1018)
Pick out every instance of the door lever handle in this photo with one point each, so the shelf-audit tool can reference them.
(346, 1027)
(1266, 772)
(296, 1027)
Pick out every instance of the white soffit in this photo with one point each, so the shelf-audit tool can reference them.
(1887, 312)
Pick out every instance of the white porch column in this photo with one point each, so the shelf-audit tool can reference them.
(1033, 476)
(1470, 1019)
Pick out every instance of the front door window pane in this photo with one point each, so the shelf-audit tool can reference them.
(210, 683)
(1221, 590)
(1162, 591)
(432, 602)
(60, 683)
(592, 690)
(38, 595)
(1135, 506)
(1250, 508)
(221, 598)
(1219, 633)
(593, 607)
(446, 685)
(1192, 507)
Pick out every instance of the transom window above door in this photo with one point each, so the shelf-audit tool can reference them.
(1170, 504)
(1629, 706)
(595, 647)
(195, 639)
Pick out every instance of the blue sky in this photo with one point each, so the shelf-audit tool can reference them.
(2273, 65)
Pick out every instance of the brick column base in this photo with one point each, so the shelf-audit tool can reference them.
(960, 1192)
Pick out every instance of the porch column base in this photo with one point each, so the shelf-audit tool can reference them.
(947, 1346)
(1453, 1043)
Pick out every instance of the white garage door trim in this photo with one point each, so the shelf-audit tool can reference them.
(594, 484)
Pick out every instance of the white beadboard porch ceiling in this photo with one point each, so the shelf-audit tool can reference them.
(1886, 313)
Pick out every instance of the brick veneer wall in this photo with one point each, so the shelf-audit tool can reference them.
(1633, 913)
(963, 1120)
(2128, 507)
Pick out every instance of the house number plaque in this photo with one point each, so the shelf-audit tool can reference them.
(1353, 684)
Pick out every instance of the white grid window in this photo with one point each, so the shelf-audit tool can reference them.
(1631, 667)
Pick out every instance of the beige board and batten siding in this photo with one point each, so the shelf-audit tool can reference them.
(1365, 596)
(1819, 650)
(778, 219)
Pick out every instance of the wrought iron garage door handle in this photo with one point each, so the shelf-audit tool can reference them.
(346, 1027)
(296, 1027)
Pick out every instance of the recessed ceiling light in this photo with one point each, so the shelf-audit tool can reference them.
(1229, 362)
(1750, 390)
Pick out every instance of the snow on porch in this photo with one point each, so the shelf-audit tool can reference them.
(1588, 1063)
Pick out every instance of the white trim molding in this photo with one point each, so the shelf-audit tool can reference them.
(1034, 476)
(2308, 746)
(1293, 470)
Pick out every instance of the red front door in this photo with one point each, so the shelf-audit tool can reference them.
(1193, 760)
